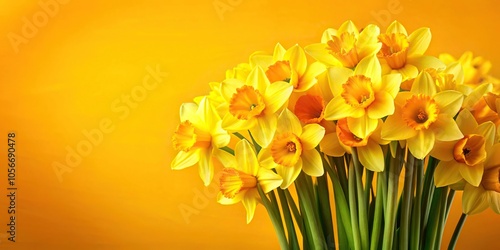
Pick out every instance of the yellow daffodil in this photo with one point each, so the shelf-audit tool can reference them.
(289, 66)
(293, 149)
(346, 46)
(476, 69)
(362, 96)
(369, 150)
(240, 177)
(423, 116)
(240, 72)
(198, 137)
(464, 158)
(252, 105)
(404, 53)
(477, 199)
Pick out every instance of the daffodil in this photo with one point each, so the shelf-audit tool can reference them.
(477, 199)
(290, 66)
(293, 149)
(423, 116)
(240, 177)
(252, 105)
(345, 47)
(198, 137)
(476, 69)
(464, 158)
(369, 148)
(362, 96)
(404, 53)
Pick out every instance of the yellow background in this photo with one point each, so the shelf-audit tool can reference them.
(89, 54)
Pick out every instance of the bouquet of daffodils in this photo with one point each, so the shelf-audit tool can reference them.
(359, 141)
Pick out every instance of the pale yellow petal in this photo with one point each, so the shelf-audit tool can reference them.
(443, 150)
(446, 129)
(279, 52)
(231, 123)
(320, 52)
(476, 95)
(371, 156)
(492, 159)
(456, 70)
(268, 180)
(311, 163)
(488, 131)
(288, 122)
(327, 35)
(474, 200)
(206, 166)
(337, 108)
(229, 87)
(419, 41)
(421, 144)
(263, 133)
(367, 43)
(447, 173)
(246, 157)
(260, 59)
(424, 84)
(396, 27)
(382, 106)
(369, 67)
(258, 79)
(309, 78)
(250, 203)
(390, 83)
(330, 145)
(266, 160)
(276, 96)
(185, 159)
(424, 62)
(289, 174)
(363, 126)
(407, 72)
(228, 160)
(221, 199)
(494, 200)
(337, 77)
(466, 122)
(394, 128)
(297, 58)
(472, 174)
(349, 27)
(449, 102)
(220, 137)
(187, 111)
(311, 136)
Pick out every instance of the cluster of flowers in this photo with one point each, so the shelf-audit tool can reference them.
(281, 114)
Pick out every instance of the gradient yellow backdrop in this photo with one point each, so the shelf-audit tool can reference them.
(67, 74)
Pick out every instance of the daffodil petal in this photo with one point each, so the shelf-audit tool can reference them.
(396, 27)
(424, 84)
(487, 130)
(279, 52)
(228, 160)
(221, 199)
(371, 156)
(320, 52)
(477, 94)
(368, 43)
(266, 160)
(449, 102)
(337, 77)
(456, 70)
(492, 159)
(228, 87)
(369, 67)
(424, 62)
(288, 122)
(260, 59)
(382, 106)
(407, 72)
(250, 203)
(289, 174)
(327, 35)
(263, 133)
(297, 58)
(231, 123)
(337, 108)
(472, 174)
(220, 137)
(447, 173)
(446, 129)
(421, 144)
(443, 150)
(311, 136)
(419, 41)
(311, 163)
(276, 95)
(309, 78)
(474, 200)
(268, 180)
(187, 111)
(390, 83)
(330, 145)
(363, 126)
(348, 27)
(185, 159)
(258, 79)
(494, 200)
(466, 122)
(246, 158)
(206, 167)
(394, 128)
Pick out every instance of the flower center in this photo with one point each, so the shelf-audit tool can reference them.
(310, 109)
(279, 71)
(344, 49)
(286, 149)
(470, 150)
(188, 136)
(420, 111)
(347, 137)
(491, 179)
(233, 181)
(394, 49)
(358, 91)
(246, 103)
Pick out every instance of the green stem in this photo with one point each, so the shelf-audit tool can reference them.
(292, 236)
(313, 228)
(377, 223)
(237, 134)
(406, 204)
(326, 219)
(428, 192)
(255, 144)
(442, 218)
(456, 233)
(341, 172)
(353, 207)
(362, 204)
(391, 209)
(417, 206)
(275, 219)
(228, 149)
(295, 211)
